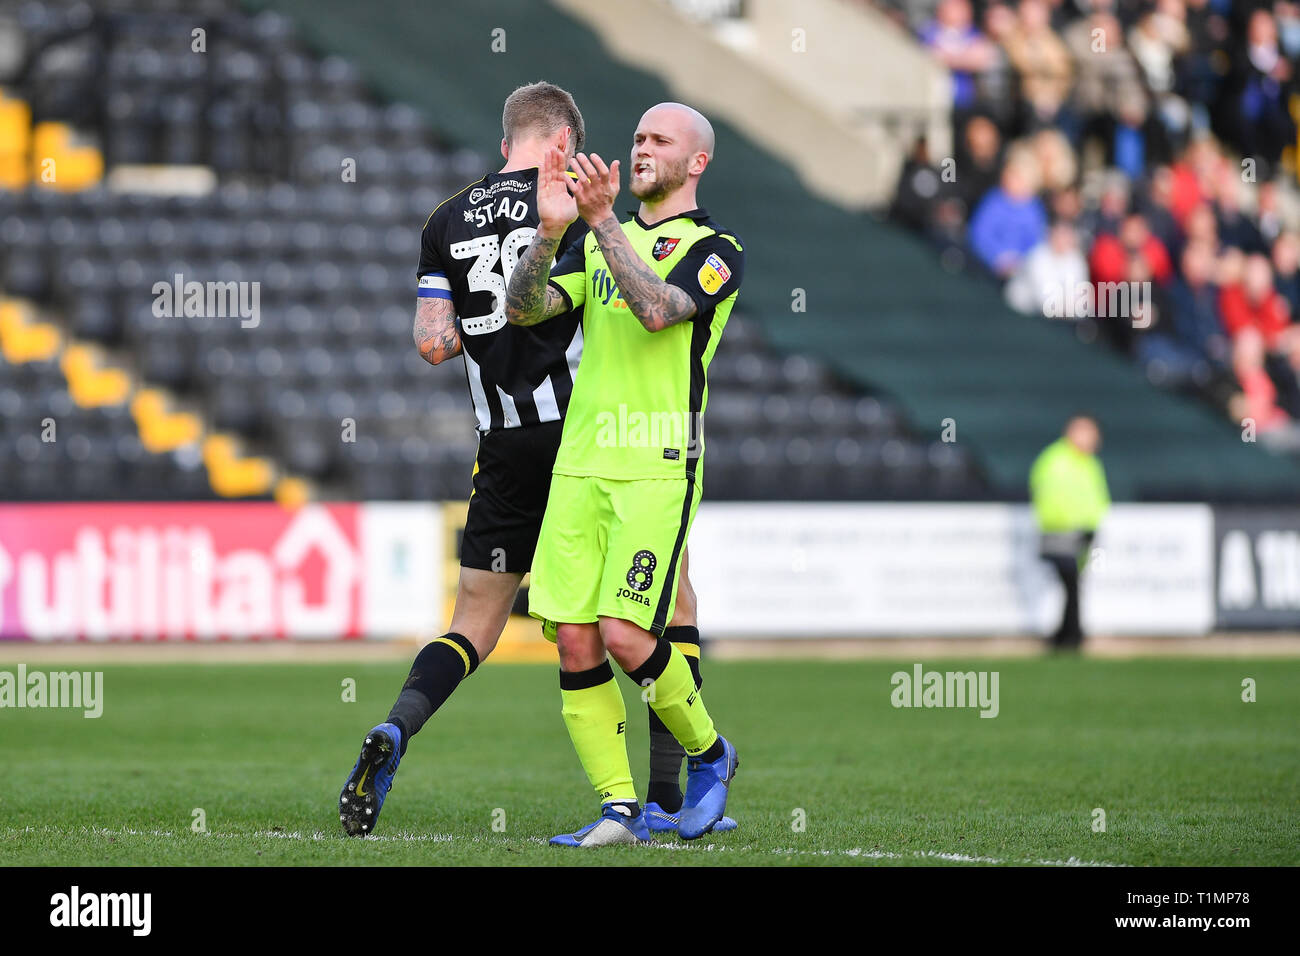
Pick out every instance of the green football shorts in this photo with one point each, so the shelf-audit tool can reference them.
(611, 548)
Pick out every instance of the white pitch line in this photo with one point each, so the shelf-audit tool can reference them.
(404, 837)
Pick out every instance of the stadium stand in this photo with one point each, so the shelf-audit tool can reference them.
(882, 310)
(1123, 123)
(846, 399)
(329, 358)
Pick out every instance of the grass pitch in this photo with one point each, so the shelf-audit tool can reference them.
(1186, 772)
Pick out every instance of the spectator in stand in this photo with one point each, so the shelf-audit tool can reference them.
(1056, 163)
(1268, 213)
(1194, 298)
(1154, 339)
(918, 190)
(1107, 72)
(1133, 255)
(1194, 178)
(1259, 394)
(1191, 349)
(927, 204)
(1287, 17)
(1228, 269)
(1111, 252)
(1199, 72)
(1010, 220)
(1156, 40)
(1159, 36)
(1135, 139)
(1067, 204)
(1203, 226)
(979, 161)
(1155, 202)
(995, 86)
(1286, 268)
(954, 40)
(1112, 206)
(1048, 281)
(1233, 226)
(1252, 307)
(1044, 64)
(1255, 115)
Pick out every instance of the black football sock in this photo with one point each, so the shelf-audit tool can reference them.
(666, 754)
(629, 808)
(438, 670)
(715, 752)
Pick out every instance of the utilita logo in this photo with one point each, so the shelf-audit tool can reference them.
(158, 578)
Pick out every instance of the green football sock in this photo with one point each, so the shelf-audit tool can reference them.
(675, 699)
(597, 721)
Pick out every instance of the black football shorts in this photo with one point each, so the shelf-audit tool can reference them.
(512, 480)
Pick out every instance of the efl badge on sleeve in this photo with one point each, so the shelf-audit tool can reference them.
(713, 275)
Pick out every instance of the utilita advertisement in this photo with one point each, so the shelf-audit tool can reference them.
(217, 571)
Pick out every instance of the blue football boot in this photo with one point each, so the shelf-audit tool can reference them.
(659, 820)
(615, 826)
(370, 780)
(706, 792)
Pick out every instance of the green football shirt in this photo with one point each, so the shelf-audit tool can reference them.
(639, 397)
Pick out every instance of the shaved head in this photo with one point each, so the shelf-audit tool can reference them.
(672, 147)
(688, 119)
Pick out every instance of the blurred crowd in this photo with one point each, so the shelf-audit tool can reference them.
(1139, 152)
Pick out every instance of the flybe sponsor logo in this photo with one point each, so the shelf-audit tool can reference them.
(605, 288)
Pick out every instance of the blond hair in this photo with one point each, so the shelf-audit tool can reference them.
(542, 108)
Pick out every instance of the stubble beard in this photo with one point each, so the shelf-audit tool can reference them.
(672, 177)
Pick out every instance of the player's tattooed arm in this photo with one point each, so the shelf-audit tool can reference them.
(435, 330)
(656, 303)
(529, 299)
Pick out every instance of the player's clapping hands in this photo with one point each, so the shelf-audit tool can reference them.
(555, 205)
(595, 188)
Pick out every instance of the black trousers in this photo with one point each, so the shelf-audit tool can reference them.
(1069, 635)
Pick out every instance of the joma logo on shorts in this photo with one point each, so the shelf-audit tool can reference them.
(639, 598)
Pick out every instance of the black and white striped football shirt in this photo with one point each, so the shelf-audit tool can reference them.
(518, 375)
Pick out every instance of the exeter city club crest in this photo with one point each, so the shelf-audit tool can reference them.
(664, 248)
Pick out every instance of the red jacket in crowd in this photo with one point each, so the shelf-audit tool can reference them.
(1109, 260)
(1269, 316)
